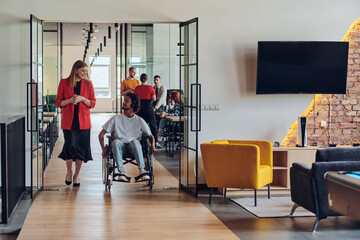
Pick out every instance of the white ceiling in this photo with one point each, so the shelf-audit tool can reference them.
(75, 34)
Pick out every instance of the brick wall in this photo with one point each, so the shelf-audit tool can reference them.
(340, 112)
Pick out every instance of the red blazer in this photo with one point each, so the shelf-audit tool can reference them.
(66, 92)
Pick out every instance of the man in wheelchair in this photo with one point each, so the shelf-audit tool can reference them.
(126, 130)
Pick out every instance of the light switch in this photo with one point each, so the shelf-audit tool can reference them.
(323, 124)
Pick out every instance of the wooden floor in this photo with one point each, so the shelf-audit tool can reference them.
(129, 211)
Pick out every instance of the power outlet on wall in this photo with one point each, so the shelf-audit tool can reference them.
(323, 124)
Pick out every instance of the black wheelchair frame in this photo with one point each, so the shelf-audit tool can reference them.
(109, 164)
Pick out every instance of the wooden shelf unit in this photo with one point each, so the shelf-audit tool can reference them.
(284, 157)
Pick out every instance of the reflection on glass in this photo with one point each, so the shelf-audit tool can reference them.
(40, 43)
(192, 170)
(183, 164)
(34, 72)
(34, 171)
(34, 42)
(40, 167)
(182, 45)
(40, 83)
(34, 134)
(192, 43)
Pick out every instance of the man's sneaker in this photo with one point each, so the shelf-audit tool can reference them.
(158, 146)
(145, 176)
(122, 177)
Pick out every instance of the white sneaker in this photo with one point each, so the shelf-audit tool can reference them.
(145, 177)
(122, 178)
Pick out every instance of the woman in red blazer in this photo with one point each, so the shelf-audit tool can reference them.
(76, 96)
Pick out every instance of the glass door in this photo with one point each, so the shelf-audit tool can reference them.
(191, 93)
(120, 62)
(35, 103)
(122, 56)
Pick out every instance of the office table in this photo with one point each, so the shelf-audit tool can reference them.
(49, 114)
(55, 129)
(343, 191)
(50, 132)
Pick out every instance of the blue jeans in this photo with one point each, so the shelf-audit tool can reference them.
(134, 147)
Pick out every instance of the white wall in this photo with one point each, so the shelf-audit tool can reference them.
(15, 70)
(228, 35)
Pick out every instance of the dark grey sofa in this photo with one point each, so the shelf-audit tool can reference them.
(308, 186)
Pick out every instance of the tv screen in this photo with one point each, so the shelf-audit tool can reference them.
(302, 67)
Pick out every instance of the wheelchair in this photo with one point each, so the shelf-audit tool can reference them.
(109, 165)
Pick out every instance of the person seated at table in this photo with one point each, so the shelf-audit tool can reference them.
(127, 129)
(174, 108)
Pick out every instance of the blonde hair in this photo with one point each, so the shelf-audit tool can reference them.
(77, 65)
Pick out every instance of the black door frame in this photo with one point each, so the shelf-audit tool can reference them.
(191, 107)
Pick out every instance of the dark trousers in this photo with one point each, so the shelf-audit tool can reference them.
(148, 114)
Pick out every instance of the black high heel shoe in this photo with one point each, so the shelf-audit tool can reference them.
(66, 181)
(76, 184)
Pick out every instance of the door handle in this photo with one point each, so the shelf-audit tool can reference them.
(191, 107)
(199, 107)
(196, 107)
(27, 107)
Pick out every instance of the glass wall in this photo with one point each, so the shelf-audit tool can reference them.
(51, 70)
(154, 52)
(142, 49)
(166, 59)
(36, 103)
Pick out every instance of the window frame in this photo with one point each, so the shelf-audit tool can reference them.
(109, 75)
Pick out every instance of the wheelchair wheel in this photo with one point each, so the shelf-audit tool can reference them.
(108, 184)
(105, 170)
(151, 171)
(150, 184)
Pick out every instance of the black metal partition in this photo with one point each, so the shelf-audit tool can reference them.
(190, 91)
(12, 164)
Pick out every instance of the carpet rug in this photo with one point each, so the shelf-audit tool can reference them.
(276, 206)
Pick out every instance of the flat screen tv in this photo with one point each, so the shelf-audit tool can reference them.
(302, 67)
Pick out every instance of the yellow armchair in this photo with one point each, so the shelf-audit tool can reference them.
(238, 164)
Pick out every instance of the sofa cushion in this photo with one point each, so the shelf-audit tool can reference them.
(223, 141)
(338, 154)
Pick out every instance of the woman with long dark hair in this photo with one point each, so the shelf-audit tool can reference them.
(75, 97)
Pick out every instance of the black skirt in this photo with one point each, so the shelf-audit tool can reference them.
(77, 142)
(77, 145)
